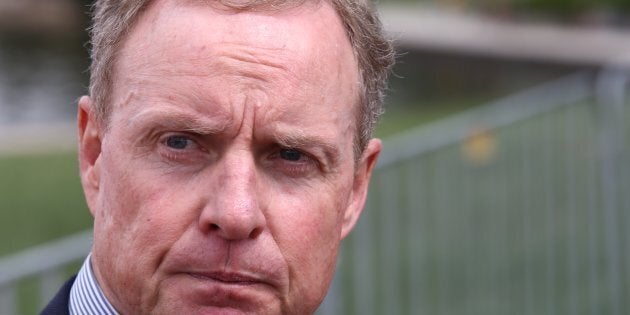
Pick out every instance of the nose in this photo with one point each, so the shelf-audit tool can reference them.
(233, 211)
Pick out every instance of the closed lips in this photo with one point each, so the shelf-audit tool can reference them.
(228, 278)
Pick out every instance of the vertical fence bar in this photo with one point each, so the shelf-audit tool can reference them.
(391, 239)
(440, 246)
(415, 186)
(572, 217)
(465, 201)
(550, 224)
(593, 233)
(504, 229)
(611, 89)
(526, 195)
(363, 271)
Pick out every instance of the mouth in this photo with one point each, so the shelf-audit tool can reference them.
(227, 278)
(227, 290)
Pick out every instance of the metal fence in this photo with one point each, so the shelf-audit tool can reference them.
(517, 207)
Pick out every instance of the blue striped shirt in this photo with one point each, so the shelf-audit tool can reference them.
(86, 296)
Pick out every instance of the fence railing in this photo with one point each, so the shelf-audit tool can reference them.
(46, 263)
(517, 207)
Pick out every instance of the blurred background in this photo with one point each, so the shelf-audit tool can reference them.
(503, 188)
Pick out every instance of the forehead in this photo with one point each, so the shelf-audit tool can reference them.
(308, 34)
(305, 46)
(295, 64)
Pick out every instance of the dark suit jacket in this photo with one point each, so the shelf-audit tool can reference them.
(59, 304)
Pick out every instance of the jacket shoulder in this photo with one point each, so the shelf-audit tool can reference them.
(59, 304)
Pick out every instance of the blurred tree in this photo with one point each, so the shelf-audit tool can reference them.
(623, 5)
(553, 8)
(560, 7)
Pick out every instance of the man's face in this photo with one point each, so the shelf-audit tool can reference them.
(226, 179)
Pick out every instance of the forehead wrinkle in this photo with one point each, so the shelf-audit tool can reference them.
(243, 64)
(267, 56)
(265, 65)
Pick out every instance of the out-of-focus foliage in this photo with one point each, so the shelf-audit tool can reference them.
(571, 7)
(611, 10)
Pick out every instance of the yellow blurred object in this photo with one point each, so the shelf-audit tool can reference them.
(480, 147)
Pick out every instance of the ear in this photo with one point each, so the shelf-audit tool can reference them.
(90, 136)
(362, 175)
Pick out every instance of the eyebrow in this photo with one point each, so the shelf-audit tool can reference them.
(180, 120)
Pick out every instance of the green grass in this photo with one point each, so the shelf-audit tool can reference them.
(401, 117)
(41, 199)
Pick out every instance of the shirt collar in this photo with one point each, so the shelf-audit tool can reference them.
(86, 296)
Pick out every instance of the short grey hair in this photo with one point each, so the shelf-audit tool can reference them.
(112, 20)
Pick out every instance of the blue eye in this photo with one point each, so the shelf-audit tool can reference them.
(290, 155)
(177, 142)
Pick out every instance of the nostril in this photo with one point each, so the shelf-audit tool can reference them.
(255, 232)
(214, 227)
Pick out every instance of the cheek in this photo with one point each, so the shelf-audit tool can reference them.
(303, 218)
(141, 208)
(141, 217)
(307, 228)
